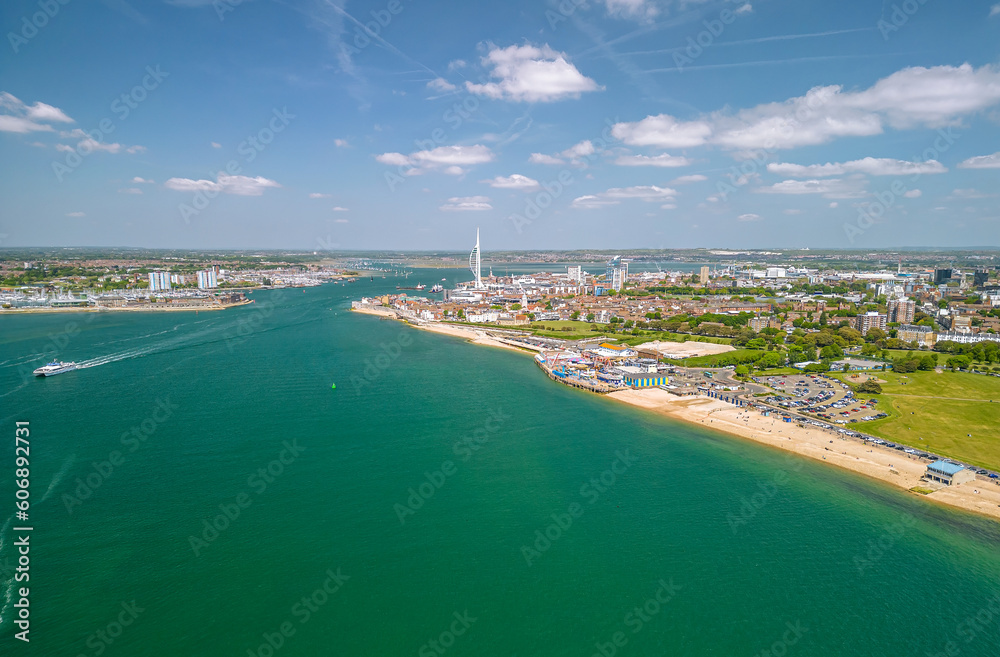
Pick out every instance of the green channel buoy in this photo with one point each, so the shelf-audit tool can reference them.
(333, 386)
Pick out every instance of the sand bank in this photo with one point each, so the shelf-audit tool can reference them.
(888, 465)
(688, 349)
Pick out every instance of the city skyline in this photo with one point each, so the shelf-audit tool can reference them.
(640, 124)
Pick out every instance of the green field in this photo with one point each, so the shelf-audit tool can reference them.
(580, 330)
(953, 414)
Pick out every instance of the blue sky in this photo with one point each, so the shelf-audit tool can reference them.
(405, 124)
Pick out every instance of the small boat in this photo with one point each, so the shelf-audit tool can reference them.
(55, 367)
(437, 288)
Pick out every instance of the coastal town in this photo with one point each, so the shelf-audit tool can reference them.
(807, 350)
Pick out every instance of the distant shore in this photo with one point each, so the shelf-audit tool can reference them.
(151, 308)
(890, 466)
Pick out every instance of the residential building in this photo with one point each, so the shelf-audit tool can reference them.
(924, 336)
(207, 279)
(901, 311)
(870, 320)
(703, 276)
(159, 281)
(616, 273)
(941, 276)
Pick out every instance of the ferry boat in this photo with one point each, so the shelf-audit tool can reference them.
(55, 367)
(437, 288)
(415, 287)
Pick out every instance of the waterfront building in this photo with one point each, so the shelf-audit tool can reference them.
(646, 380)
(616, 273)
(475, 264)
(947, 473)
(158, 281)
(207, 279)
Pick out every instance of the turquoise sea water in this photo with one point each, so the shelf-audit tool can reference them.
(823, 563)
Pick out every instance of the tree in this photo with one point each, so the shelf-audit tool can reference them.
(875, 335)
(590, 317)
(575, 315)
(742, 371)
(871, 386)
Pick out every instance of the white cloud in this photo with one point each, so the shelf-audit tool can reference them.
(870, 165)
(142, 181)
(449, 159)
(531, 74)
(467, 203)
(909, 98)
(237, 185)
(440, 84)
(981, 161)
(513, 181)
(750, 216)
(76, 214)
(613, 196)
(913, 193)
(338, 208)
(829, 188)
(994, 10)
(319, 195)
(216, 144)
(969, 193)
(693, 178)
(135, 149)
(20, 117)
(642, 10)
(834, 204)
(88, 144)
(130, 190)
(663, 131)
(743, 9)
(662, 160)
(340, 143)
(541, 158)
(591, 202)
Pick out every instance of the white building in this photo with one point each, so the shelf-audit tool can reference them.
(158, 281)
(207, 279)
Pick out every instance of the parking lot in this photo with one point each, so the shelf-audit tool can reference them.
(819, 396)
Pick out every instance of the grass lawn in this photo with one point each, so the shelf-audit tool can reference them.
(937, 412)
(711, 360)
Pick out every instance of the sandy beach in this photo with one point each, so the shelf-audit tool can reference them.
(888, 465)
(891, 466)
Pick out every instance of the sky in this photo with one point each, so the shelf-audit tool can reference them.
(408, 124)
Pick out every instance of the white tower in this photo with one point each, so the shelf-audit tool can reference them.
(475, 263)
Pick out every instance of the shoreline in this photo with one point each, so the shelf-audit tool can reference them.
(108, 309)
(892, 467)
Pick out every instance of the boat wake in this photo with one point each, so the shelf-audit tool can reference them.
(58, 478)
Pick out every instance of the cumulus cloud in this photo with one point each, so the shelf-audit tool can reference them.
(319, 195)
(749, 216)
(142, 181)
(577, 154)
(869, 165)
(662, 160)
(913, 193)
(338, 208)
(981, 161)
(440, 84)
(531, 74)
(969, 193)
(743, 9)
(87, 144)
(340, 143)
(216, 144)
(829, 188)
(541, 158)
(995, 10)
(449, 159)
(912, 97)
(693, 178)
(513, 181)
(18, 116)
(467, 203)
(613, 196)
(225, 184)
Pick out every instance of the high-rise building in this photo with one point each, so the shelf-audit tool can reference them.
(158, 281)
(902, 310)
(207, 280)
(941, 276)
(980, 277)
(575, 274)
(703, 276)
(870, 320)
(476, 264)
(616, 273)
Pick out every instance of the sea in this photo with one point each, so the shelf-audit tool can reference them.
(291, 478)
